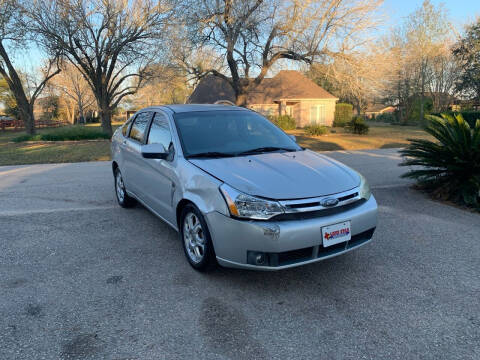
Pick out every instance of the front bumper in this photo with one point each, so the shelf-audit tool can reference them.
(287, 243)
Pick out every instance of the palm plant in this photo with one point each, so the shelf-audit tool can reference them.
(450, 167)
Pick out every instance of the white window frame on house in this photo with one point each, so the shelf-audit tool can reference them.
(318, 114)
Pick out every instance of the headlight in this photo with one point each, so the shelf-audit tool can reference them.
(364, 188)
(250, 207)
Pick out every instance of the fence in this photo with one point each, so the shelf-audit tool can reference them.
(19, 124)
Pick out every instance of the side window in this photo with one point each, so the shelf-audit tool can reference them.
(126, 125)
(160, 131)
(139, 126)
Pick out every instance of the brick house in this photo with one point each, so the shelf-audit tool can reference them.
(289, 92)
(377, 109)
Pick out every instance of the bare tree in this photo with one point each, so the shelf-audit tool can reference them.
(13, 33)
(423, 66)
(441, 74)
(7, 100)
(169, 85)
(252, 35)
(111, 42)
(71, 83)
(467, 51)
(426, 31)
(360, 77)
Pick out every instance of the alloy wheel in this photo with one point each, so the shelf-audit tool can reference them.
(194, 237)
(120, 187)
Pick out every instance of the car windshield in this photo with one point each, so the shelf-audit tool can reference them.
(229, 133)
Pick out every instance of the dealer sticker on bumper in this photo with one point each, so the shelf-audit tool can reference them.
(335, 234)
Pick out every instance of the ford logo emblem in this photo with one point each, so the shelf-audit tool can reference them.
(329, 202)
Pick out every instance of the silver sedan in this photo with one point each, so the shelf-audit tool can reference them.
(239, 190)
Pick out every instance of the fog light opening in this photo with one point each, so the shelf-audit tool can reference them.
(260, 259)
(257, 258)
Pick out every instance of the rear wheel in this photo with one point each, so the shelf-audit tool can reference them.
(197, 243)
(122, 197)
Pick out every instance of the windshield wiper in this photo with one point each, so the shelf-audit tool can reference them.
(210, 154)
(265, 149)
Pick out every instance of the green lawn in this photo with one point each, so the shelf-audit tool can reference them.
(36, 152)
(53, 152)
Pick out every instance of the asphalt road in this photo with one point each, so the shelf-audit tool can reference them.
(81, 278)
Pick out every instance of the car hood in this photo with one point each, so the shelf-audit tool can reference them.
(288, 175)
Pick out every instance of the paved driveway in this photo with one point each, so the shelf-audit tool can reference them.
(81, 278)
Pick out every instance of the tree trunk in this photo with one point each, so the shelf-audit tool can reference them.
(73, 113)
(105, 112)
(241, 99)
(26, 114)
(400, 103)
(358, 108)
(422, 98)
(81, 116)
(106, 118)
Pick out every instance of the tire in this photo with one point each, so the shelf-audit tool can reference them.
(123, 199)
(196, 239)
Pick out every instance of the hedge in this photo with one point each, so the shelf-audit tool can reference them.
(66, 133)
(358, 126)
(386, 117)
(284, 122)
(343, 114)
(315, 130)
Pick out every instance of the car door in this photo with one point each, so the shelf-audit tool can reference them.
(118, 144)
(132, 153)
(159, 175)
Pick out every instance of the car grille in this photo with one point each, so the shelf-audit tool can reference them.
(317, 252)
(318, 213)
(319, 203)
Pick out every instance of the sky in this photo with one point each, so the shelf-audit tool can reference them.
(461, 11)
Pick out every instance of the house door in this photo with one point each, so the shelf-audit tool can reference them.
(289, 110)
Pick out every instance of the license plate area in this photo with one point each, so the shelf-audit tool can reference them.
(336, 233)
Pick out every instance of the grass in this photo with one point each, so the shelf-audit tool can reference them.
(42, 151)
(53, 152)
(66, 133)
(16, 147)
(380, 136)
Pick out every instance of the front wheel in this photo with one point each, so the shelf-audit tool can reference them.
(122, 197)
(196, 240)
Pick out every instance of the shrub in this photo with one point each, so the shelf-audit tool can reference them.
(26, 137)
(358, 126)
(469, 116)
(285, 122)
(449, 167)
(315, 130)
(343, 114)
(76, 132)
(386, 118)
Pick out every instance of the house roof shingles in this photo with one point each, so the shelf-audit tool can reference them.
(377, 107)
(287, 84)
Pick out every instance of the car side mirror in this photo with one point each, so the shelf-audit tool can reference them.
(293, 137)
(154, 151)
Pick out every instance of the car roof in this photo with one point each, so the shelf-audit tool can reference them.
(182, 108)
